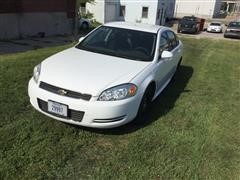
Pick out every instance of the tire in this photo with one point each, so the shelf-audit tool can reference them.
(177, 69)
(144, 107)
(179, 64)
(178, 31)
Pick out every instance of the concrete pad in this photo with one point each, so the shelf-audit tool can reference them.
(13, 46)
(8, 47)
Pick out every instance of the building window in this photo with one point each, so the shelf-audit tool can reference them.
(122, 11)
(82, 8)
(145, 12)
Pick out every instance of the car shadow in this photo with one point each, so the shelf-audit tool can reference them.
(160, 106)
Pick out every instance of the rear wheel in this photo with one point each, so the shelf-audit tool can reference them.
(196, 31)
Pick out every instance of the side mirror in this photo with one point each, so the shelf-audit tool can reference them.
(81, 38)
(166, 56)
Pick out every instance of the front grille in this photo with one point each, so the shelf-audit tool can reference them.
(69, 93)
(72, 114)
(186, 26)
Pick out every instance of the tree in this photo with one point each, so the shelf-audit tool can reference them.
(77, 15)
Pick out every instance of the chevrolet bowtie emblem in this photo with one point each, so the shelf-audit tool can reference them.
(62, 92)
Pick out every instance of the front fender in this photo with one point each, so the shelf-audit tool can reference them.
(144, 79)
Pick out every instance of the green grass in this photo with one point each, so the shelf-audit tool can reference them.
(193, 131)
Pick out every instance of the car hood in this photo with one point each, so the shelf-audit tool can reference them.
(88, 72)
(215, 27)
(233, 28)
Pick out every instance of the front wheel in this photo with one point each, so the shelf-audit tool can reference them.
(177, 69)
(144, 107)
(179, 63)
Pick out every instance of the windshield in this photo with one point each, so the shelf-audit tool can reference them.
(189, 18)
(125, 43)
(215, 24)
(234, 24)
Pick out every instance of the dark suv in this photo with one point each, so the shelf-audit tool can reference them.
(233, 30)
(189, 24)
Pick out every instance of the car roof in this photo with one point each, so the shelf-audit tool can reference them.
(135, 26)
(216, 22)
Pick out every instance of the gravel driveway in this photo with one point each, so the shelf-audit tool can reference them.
(204, 34)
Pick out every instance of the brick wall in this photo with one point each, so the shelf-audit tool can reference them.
(23, 18)
(29, 6)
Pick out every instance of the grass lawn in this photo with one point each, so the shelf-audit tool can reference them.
(193, 132)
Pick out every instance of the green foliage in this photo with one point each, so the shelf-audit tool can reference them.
(85, 1)
(87, 15)
(193, 132)
(95, 23)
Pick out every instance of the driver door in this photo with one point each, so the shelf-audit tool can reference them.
(163, 67)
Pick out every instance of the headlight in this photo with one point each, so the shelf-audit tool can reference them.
(36, 72)
(120, 92)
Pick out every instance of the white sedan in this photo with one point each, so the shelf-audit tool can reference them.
(109, 78)
(215, 27)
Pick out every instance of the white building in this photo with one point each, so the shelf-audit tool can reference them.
(200, 8)
(145, 11)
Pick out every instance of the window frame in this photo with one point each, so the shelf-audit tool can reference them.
(161, 49)
(176, 41)
(121, 12)
(143, 15)
(169, 45)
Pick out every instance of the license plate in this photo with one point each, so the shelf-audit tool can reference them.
(57, 108)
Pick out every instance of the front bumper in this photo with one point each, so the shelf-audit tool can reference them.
(187, 30)
(97, 114)
(232, 35)
(214, 30)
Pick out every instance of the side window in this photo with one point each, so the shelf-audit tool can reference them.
(163, 42)
(173, 41)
